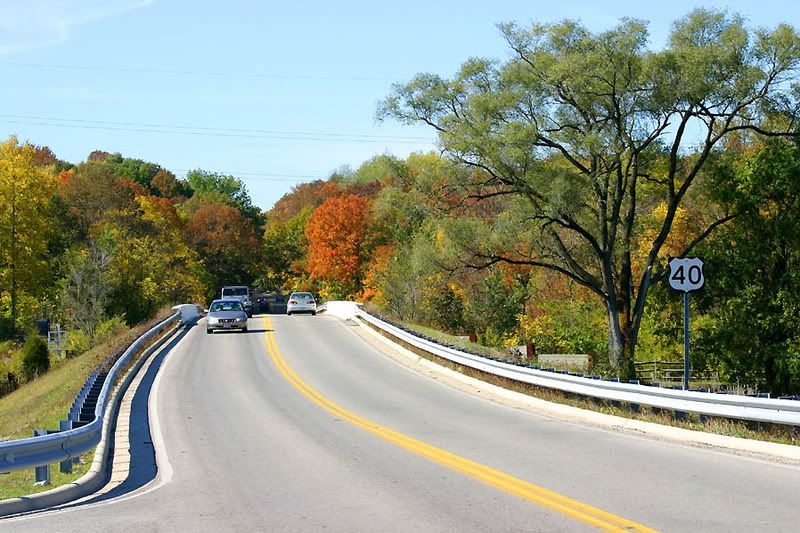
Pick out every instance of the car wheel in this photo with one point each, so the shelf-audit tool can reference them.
(288, 313)
(244, 330)
(313, 313)
(209, 331)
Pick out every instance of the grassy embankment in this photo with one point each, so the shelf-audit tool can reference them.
(41, 403)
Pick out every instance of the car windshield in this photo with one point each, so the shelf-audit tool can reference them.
(302, 296)
(235, 291)
(225, 306)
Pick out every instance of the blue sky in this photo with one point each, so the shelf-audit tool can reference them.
(271, 92)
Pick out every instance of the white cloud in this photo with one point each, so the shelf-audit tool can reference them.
(26, 25)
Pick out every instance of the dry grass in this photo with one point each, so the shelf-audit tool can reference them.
(736, 428)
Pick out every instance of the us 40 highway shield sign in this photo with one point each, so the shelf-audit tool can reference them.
(686, 274)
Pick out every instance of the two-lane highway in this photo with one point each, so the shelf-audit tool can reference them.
(301, 425)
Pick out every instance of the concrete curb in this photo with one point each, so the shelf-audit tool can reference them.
(98, 473)
(768, 451)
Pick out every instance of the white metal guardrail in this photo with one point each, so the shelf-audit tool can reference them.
(766, 410)
(56, 447)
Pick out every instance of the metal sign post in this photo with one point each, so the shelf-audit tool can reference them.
(686, 275)
(57, 338)
(686, 340)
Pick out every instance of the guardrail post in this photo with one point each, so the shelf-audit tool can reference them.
(65, 467)
(42, 472)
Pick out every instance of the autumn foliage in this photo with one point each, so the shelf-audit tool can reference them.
(335, 235)
(225, 239)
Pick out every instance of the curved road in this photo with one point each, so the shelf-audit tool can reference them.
(301, 425)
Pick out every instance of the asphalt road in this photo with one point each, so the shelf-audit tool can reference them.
(308, 427)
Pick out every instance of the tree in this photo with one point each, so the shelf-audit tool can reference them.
(166, 184)
(86, 287)
(335, 234)
(230, 188)
(152, 264)
(226, 242)
(285, 246)
(25, 193)
(400, 277)
(91, 193)
(754, 297)
(589, 130)
(300, 197)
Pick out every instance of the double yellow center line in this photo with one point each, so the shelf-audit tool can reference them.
(500, 480)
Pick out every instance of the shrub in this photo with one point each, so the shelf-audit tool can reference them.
(109, 329)
(35, 356)
(77, 342)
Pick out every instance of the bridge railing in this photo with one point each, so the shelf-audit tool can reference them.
(757, 409)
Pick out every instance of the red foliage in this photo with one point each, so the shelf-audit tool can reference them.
(98, 155)
(64, 177)
(305, 194)
(43, 156)
(335, 233)
(225, 239)
(129, 188)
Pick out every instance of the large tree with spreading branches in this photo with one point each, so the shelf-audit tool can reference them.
(590, 130)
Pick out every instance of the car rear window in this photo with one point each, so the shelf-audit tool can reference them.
(234, 291)
(302, 296)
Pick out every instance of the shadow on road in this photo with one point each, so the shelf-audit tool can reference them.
(143, 467)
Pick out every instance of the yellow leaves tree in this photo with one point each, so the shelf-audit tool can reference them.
(25, 192)
(687, 224)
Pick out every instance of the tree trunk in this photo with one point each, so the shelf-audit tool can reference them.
(13, 266)
(620, 341)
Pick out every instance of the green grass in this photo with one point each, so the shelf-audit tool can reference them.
(21, 482)
(43, 402)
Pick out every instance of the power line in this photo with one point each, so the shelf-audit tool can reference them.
(264, 75)
(235, 130)
(352, 139)
(260, 176)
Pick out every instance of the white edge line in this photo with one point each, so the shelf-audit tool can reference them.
(164, 467)
(762, 451)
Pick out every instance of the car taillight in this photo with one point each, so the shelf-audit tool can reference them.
(312, 302)
(292, 302)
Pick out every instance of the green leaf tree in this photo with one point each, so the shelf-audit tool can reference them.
(591, 130)
(754, 297)
(231, 190)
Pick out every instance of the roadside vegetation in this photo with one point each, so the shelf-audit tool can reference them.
(41, 403)
(569, 172)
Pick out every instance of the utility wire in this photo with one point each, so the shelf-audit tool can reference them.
(235, 130)
(258, 176)
(198, 73)
(213, 134)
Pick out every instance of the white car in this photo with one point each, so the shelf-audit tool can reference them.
(226, 314)
(301, 302)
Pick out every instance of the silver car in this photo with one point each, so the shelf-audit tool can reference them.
(226, 314)
(301, 302)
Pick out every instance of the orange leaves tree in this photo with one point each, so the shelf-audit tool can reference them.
(226, 241)
(336, 236)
